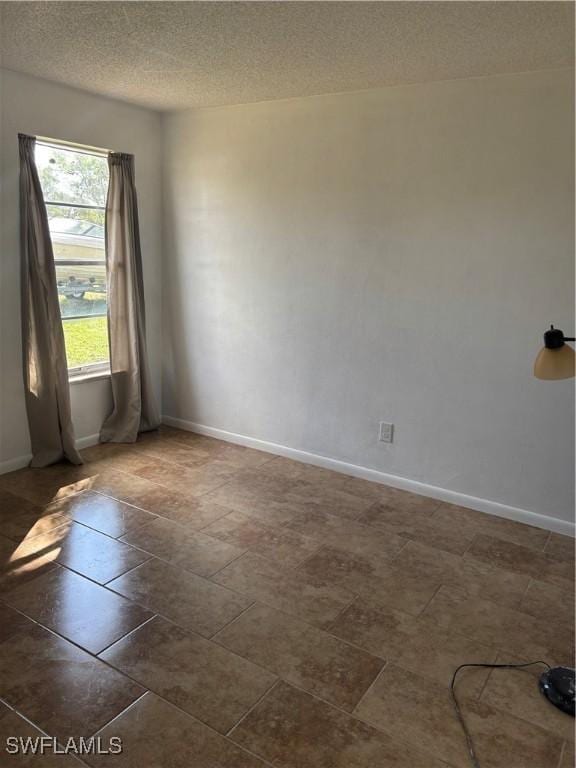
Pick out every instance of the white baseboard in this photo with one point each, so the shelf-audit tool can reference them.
(87, 442)
(22, 461)
(405, 484)
(13, 464)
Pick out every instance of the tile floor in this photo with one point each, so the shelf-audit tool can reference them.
(218, 607)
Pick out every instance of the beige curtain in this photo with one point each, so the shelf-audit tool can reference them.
(46, 387)
(134, 409)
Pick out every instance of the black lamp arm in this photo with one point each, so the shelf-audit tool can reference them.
(554, 338)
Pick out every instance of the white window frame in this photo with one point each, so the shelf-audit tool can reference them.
(91, 370)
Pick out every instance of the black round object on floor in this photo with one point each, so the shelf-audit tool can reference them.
(559, 687)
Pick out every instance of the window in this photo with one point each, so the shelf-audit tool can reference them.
(74, 183)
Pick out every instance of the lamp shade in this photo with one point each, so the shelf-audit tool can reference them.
(555, 363)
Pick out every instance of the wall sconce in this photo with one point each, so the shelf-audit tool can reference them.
(556, 359)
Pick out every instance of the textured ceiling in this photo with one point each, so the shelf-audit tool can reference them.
(173, 55)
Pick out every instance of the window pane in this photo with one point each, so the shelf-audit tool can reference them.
(77, 233)
(86, 341)
(78, 240)
(72, 177)
(81, 289)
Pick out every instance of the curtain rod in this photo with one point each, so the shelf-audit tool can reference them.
(80, 148)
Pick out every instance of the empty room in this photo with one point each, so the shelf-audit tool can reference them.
(287, 414)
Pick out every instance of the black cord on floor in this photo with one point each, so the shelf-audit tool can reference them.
(473, 757)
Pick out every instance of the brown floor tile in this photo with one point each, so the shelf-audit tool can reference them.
(276, 543)
(15, 568)
(473, 522)
(400, 511)
(188, 600)
(349, 575)
(105, 452)
(103, 513)
(164, 432)
(516, 691)
(560, 547)
(42, 486)
(84, 550)
(367, 577)
(21, 519)
(199, 449)
(416, 644)
(476, 578)
(62, 689)
(514, 557)
(186, 510)
(157, 735)
(13, 726)
(120, 485)
(549, 602)
(198, 676)
(403, 702)
(318, 477)
(280, 466)
(195, 481)
(183, 547)
(277, 499)
(500, 627)
(568, 758)
(307, 498)
(259, 495)
(291, 729)
(11, 504)
(172, 452)
(113, 456)
(278, 587)
(417, 525)
(11, 622)
(301, 654)
(347, 535)
(411, 503)
(393, 519)
(235, 455)
(85, 613)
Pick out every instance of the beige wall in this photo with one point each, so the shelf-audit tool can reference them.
(393, 255)
(40, 108)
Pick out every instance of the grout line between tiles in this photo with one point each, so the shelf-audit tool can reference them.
(132, 568)
(245, 715)
(214, 637)
(211, 576)
(122, 712)
(488, 676)
(321, 548)
(560, 759)
(525, 592)
(123, 637)
(327, 629)
(369, 689)
(423, 610)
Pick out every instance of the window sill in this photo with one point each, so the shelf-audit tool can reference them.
(78, 378)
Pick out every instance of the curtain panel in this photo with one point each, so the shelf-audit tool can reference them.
(134, 409)
(45, 368)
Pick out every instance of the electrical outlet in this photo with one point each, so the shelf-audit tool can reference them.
(386, 432)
